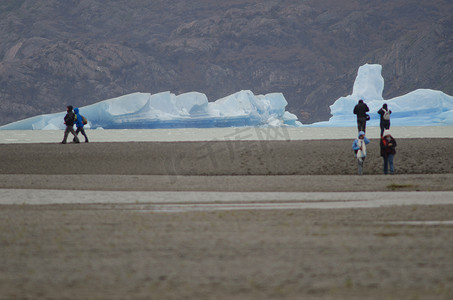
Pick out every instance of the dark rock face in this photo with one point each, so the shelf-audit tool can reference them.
(54, 53)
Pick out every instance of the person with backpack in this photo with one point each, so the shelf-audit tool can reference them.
(69, 120)
(80, 122)
(359, 147)
(388, 151)
(361, 110)
(384, 112)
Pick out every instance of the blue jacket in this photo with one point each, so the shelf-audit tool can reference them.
(79, 121)
(355, 145)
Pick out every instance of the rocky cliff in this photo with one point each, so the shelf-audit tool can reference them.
(54, 53)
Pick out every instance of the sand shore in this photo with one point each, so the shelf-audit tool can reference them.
(303, 166)
(102, 251)
(312, 157)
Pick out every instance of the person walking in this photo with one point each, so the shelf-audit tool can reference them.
(69, 121)
(388, 151)
(384, 112)
(359, 147)
(361, 110)
(79, 124)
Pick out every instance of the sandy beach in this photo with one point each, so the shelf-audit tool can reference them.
(214, 158)
(122, 251)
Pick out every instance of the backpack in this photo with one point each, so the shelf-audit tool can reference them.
(84, 120)
(386, 115)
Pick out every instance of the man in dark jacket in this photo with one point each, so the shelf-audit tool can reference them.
(360, 110)
(69, 121)
(384, 112)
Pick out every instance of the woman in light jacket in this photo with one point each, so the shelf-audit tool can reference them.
(359, 147)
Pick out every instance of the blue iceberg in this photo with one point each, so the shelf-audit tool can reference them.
(422, 107)
(166, 110)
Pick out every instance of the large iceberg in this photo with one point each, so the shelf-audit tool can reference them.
(166, 110)
(422, 107)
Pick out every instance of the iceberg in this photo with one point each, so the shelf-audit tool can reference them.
(422, 107)
(167, 110)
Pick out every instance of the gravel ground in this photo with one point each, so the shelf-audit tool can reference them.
(104, 251)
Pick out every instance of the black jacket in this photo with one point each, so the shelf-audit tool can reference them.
(381, 113)
(69, 118)
(360, 110)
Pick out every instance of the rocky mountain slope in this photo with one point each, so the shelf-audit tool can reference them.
(54, 53)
